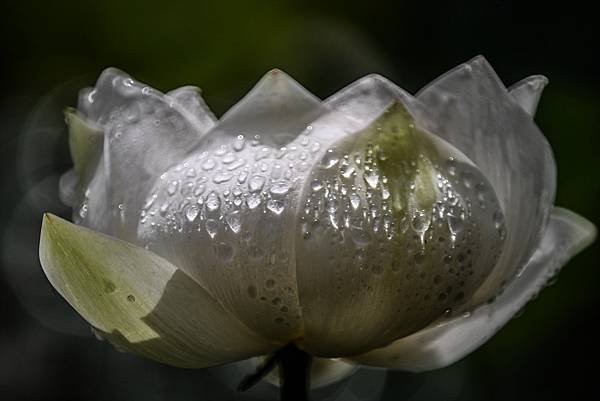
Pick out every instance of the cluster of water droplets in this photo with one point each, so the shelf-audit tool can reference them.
(238, 193)
(380, 235)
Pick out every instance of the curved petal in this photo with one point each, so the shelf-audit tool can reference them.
(145, 133)
(441, 345)
(476, 114)
(227, 214)
(528, 91)
(388, 233)
(140, 301)
(277, 109)
(189, 97)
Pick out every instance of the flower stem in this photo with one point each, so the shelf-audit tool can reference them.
(294, 368)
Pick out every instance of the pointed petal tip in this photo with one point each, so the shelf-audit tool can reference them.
(588, 232)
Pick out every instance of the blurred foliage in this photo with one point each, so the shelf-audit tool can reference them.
(49, 49)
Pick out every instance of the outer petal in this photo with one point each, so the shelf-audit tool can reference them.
(474, 112)
(140, 301)
(189, 98)
(277, 109)
(145, 133)
(446, 343)
(389, 239)
(528, 91)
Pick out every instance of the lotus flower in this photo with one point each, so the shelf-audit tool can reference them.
(373, 228)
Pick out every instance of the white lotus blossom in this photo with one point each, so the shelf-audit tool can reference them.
(374, 227)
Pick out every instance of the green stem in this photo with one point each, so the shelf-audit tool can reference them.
(294, 368)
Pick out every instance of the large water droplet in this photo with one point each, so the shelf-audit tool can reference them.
(212, 226)
(256, 183)
(238, 143)
(280, 188)
(208, 164)
(253, 201)
(222, 176)
(172, 187)
(371, 176)
(213, 202)
(234, 222)
(150, 201)
(354, 200)
(191, 213)
(330, 159)
(275, 205)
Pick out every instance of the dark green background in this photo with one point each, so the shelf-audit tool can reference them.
(49, 49)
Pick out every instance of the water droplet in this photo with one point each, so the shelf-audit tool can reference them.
(456, 223)
(234, 222)
(213, 202)
(420, 222)
(191, 213)
(275, 205)
(222, 176)
(262, 153)
(256, 183)
(330, 159)
(347, 169)
(253, 201)
(242, 177)
(150, 201)
(172, 187)
(208, 164)
(211, 226)
(354, 200)
(371, 176)
(316, 185)
(280, 188)
(238, 143)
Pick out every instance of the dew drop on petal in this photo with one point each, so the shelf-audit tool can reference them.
(191, 213)
(213, 202)
(253, 201)
(276, 206)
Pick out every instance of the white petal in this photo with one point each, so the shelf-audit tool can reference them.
(448, 342)
(387, 239)
(528, 91)
(365, 99)
(189, 97)
(140, 301)
(475, 113)
(277, 109)
(145, 133)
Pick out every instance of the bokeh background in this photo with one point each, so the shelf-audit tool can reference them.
(50, 49)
